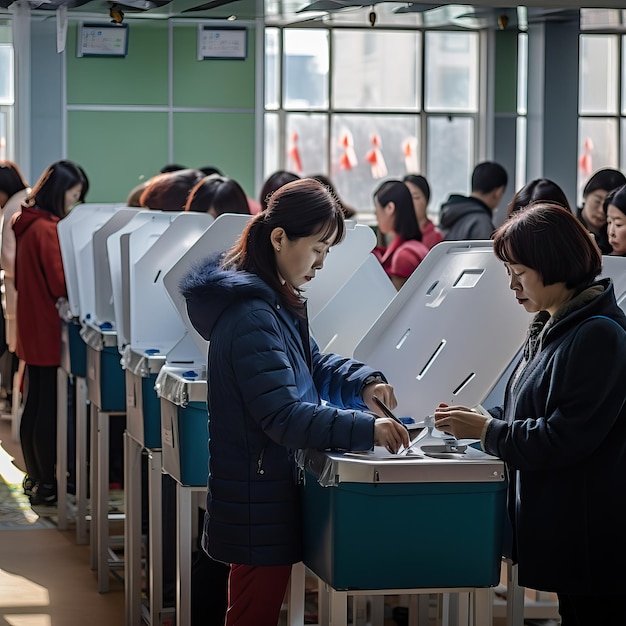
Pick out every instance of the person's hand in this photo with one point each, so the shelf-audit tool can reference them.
(390, 434)
(383, 392)
(459, 421)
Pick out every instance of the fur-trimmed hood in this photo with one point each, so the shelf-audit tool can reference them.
(209, 290)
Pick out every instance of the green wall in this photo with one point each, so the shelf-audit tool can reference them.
(123, 123)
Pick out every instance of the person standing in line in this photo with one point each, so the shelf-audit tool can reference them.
(13, 191)
(592, 214)
(40, 283)
(420, 194)
(615, 211)
(538, 190)
(471, 217)
(266, 384)
(562, 428)
(397, 223)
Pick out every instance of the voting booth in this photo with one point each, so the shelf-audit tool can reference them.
(447, 336)
(76, 233)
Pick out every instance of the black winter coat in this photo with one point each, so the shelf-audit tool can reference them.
(562, 434)
(266, 378)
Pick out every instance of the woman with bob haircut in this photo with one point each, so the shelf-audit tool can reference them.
(397, 221)
(217, 194)
(40, 283)
(266, 383)
(562, 428)
(538, 190)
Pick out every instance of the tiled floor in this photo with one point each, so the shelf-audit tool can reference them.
(45, 578)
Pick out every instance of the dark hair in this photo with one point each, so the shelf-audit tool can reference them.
(48, 194)
(538, 189)
(617, 198)
(605, 179)
(420, 182)
(223, 195)
(272, 183)
(405, 221)
(11, 179)
(550, 240)
(169, 191)
(302, 208)
(209, 169)
(171, 167)
(488, 176)
(348, 211)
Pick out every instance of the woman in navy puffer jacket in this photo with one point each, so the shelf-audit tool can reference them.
(266, 382)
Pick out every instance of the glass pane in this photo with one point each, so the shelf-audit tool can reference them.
(597, 147)
(307, 141)
(365, 149)
(599, 18)
(598, 74)
(272, 68)
(6, 74)
(366, 67)
(271, 161)
(449, 158)
(451, 71)
(305, 77)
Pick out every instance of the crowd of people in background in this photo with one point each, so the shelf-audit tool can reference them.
(295, 221)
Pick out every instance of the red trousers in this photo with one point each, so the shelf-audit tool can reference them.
(255, 594)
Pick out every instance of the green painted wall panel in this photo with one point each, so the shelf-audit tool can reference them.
(211, 83)
(223, 140)
(117, 150)
(139, 78)
(505, 100)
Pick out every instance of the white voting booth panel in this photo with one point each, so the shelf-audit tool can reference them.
(614, 267)
(125, 246)
(154, 322)
(104, 310)
(351, 312)
(451, 331)
(340, 264)
(75, 234)
(218, 237)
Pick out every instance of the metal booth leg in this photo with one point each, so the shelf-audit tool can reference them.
(61, 466)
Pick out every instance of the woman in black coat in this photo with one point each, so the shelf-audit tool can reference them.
(562, 429)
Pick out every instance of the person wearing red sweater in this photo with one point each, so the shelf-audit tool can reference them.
(40, 282)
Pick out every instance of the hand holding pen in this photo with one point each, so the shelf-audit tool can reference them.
(395, 433)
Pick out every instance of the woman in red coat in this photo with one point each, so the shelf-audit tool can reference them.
(40, 282)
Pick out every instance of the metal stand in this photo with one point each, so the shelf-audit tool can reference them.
(102, 558)
(184, 543)
(82, 470)
(136, 611)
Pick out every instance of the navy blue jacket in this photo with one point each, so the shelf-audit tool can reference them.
(566, 453)
(265, 381)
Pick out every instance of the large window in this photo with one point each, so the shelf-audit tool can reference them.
(363, 105)
(602, 94)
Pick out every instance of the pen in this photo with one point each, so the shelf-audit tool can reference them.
(387, 411)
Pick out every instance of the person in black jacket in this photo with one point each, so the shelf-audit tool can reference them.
(471, 217)
(266, 382)
(562, 428)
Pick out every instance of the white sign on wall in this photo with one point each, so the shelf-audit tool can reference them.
(222, 43)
